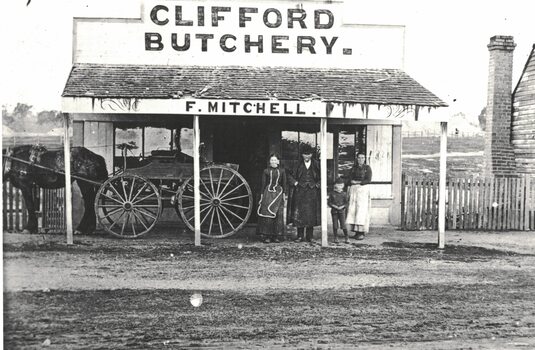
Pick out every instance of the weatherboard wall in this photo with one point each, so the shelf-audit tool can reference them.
(523, 124)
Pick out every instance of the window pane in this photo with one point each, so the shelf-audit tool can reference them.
(125, 135)
(157, 139)
(346, 152)
(308, 138)
(360, 146)
(290, 145)
(186, 141)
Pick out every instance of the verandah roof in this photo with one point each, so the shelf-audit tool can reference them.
(365, 86)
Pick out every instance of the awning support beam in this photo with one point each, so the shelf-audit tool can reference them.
(196, 179)
(442, 185)
(323, 175)
(68, 179)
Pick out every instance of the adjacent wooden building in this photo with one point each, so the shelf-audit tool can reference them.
(510, 117)
(523, 119)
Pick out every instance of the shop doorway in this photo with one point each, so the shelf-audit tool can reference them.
(244, 143)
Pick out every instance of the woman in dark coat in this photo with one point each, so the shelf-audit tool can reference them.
(271, 206)
(304, 203)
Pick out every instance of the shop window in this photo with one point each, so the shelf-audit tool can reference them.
(346, 152)
(290, 145)
(186, 141)
(292, 142)
(156, 139)
(149, 139)
(351, 141)
(129, 135)
(308, 138)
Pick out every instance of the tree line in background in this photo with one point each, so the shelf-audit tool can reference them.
(23, 119)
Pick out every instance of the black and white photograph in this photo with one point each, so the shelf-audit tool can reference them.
(269, 174)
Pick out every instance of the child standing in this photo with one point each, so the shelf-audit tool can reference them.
(338, 203)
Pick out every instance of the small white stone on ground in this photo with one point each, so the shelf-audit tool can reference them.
(196, 300)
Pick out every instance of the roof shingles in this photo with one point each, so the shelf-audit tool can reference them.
(370, 86)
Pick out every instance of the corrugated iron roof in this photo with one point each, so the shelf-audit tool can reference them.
(370, 86)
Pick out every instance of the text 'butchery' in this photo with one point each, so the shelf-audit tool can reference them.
(200, 31)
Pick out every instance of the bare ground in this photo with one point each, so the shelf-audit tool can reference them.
(394, 289)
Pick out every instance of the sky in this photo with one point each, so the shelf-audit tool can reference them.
(445, 43)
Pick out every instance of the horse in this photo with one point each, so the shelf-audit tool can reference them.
(46, 168)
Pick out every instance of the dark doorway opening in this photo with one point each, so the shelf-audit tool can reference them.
(244, 143)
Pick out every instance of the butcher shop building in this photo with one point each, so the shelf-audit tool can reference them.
(238, 81)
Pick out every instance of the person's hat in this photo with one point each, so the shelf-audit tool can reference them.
(339, 181)
(306, 149)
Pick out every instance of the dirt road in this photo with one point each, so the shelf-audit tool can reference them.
(392, 289)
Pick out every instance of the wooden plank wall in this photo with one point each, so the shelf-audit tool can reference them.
(379, 151)
(379, 158)
(497, 203)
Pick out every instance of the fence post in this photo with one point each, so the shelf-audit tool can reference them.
(480, 201)
(4, 205)
(410, 202)
(528, 205)
(434, 212)
(403, 206)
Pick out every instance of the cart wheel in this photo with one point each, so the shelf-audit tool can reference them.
(128, 206)
(226, 201)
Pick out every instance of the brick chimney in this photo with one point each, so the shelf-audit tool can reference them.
(499, 154)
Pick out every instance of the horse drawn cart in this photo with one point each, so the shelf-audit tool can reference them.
(129, 203)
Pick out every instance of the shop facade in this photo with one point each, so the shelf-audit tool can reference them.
(193, 69)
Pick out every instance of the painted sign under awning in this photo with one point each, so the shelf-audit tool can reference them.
(258, 108)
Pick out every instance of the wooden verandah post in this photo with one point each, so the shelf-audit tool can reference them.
(442, 185)
(196, 179)
(68, 184)
(323, 175)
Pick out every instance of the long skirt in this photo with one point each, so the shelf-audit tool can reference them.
(358, 212)
(271, 213)
(306, 207)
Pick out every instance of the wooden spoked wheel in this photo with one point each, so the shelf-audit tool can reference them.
(226, 201)
(128, 206)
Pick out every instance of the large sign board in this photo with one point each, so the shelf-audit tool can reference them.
(243, 29)
(251, 33)
(254, 108)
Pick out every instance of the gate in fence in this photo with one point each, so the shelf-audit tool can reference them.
(495, 203)
(50, 208)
